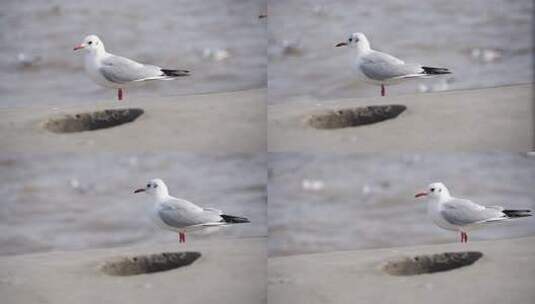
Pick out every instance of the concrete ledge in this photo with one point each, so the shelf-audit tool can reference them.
(504, 274)
(493, 119)
(228, 271)
(227, 122)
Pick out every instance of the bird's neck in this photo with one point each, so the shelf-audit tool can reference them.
(162, 196)
(444, 198)
(97, 53)
(362, 48)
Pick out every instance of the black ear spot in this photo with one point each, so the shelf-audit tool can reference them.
(155, 186)
(439, 190)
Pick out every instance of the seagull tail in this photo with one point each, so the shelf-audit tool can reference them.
(234, 219)
(175, 73)
(435, 71)
(517, 213)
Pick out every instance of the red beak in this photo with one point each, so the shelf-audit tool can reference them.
(76, 48)
(139, 190)
(420, 194)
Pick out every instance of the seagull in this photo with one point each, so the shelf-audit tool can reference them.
(180, 215)
(463, 215)
(116, 72)
(380, 68)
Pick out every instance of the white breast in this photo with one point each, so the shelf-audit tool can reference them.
(433, 210)
(360, 75)
(92, 66)
(155, 217)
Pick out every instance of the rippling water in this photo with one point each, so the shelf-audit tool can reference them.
(336, 202)
(195, 35)
(69, 201)
(484, 42)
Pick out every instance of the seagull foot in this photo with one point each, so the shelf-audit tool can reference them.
(120, 94)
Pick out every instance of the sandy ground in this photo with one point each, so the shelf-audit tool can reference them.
(225, 122)
(503, 275)
(494, 119)
(229, 271)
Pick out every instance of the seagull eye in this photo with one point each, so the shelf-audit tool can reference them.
(148, 185)
(432, 189)
(350, 39)
(90, 42)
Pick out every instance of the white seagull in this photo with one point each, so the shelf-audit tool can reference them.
(463, 215)
(380, 68)
(181, 216)
(116, 72)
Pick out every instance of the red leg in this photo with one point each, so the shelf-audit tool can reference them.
(182, 237)
(383, 91)
(464, 237)
(120, 94)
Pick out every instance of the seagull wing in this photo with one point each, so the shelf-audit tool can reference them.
(121, 70)
(179, 213)
(381, 66)
(465, 212)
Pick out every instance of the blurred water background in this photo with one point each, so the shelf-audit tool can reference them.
(328, 202)
(70, 201)
(222, 43)
(485, 43)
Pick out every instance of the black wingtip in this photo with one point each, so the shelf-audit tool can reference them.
(435, 71)
(234, 219)
(175, 73)
(517, 213)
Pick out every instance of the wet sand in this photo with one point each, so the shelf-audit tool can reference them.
(228, 271)
(503, 275)
(226, 122)
(494, 119)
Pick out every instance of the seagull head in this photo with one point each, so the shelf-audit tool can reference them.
(435, 190)
(90, 43)
(356, 40)
(155, 187)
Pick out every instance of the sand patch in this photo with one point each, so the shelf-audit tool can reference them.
(353, 117)
(90, 121)
(431, 263)
(126, 266)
